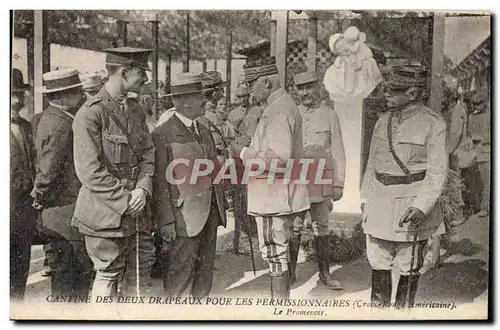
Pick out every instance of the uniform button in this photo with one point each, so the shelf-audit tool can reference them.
(211, 188)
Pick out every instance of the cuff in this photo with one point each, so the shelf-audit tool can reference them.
(145, 184)
(248, 153)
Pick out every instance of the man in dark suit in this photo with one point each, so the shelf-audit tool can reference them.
(22, 171)
(56, 184)
(187, 214)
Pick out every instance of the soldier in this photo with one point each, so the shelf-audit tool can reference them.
(146, 100)
(322, 139)
(405, 176)
(92, 86)
(56, 184)
(114, 160)
(214, 114)
(276, 205)
(22, 172)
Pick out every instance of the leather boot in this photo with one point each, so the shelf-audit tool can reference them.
(280, 286)
(407, 287)
(330, 281)
(293, 247)
(381, 288)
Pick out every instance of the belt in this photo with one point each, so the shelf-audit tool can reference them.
(389, 180)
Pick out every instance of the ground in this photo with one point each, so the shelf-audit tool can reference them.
(463, 277)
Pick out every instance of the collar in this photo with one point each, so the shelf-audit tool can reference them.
(306, 109)
(185, 120)
(275, 95)
(410, 111)
(119, 102)
(57, 106)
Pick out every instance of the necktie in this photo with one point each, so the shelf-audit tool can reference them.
(196, 135)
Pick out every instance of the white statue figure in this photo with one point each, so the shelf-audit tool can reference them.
(354, 73)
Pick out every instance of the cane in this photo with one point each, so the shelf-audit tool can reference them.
(412, 271)
(137, 286)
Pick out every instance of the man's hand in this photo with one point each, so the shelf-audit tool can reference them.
(136, 202)
(238, 144)
(168, 233)
(363, 207)
(413, 215)
(338, 192)
(36, 200)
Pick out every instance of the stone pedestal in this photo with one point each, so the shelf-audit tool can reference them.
(350, 115)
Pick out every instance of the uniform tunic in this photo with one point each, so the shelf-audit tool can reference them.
(104, 163)
(322, 139)
(419, 139)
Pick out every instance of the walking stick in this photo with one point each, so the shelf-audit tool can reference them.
(250, 241)
(137, 286)
(412, 271)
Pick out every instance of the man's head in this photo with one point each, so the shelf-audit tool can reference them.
(406, 86)
(187, 95)
(92, 86)
(127, 67)
(146, 98)
(309, 90)
(450, 91)
(64, 88)
(18, 89)
(213, 86)
(265, 86)
(262, 77)
(242, 95)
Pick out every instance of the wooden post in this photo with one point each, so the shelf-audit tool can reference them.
(41, 52)
(204, 65)
(185, 62)
(281, 44)
(438, 32)
(272, 46)
(155, 66)
(311, 44)
(122, 33)
(168, 73)
(30, 45)
(229, 56)
(215, 65)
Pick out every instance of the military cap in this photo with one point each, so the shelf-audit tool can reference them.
(242, 90)
(263, 67)
(92, 84)
(129, 56)
(305, 78)
(211, 79)
(185, 83)
(59, 80)
(406, 76)
(18, 84)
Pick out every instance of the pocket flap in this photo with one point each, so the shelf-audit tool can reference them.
(417, 140)
(120, 139)
(178, 202)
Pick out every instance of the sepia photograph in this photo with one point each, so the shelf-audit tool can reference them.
(250, 165)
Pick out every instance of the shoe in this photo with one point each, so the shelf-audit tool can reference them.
(381, 288)
(329, 280)
(293, 247)
(280, 286)
(47, 271)
(407, 288)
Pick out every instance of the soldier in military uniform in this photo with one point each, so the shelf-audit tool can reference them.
(114, 160)
(322, 139)
(405, 176)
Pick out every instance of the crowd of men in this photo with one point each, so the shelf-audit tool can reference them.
(88, 174)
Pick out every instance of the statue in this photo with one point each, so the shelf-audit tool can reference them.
(354, 73)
